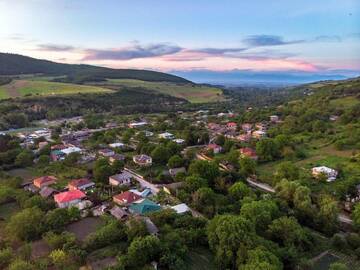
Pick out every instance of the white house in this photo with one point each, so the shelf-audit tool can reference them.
(179, 141)
(123, 178)
(331, 174)
(166, 135)
(181, 208)
(117, 145)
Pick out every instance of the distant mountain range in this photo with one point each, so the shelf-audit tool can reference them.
(241, 77)
(14, 64)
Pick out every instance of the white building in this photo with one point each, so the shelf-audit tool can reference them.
(179, 141)
(137, 124)
(181, 208)
(117, 145)
(166, 135)
(331, 174)
(69, 150)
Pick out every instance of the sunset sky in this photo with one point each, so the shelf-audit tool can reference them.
(315, 37)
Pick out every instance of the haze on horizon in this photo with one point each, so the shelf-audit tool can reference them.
(196, 39)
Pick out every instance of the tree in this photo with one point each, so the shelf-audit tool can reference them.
(21, 265)
(148, 247)
(59, 241)
(247, 166)
(205, 169)
(193, 183)
(160, 154)
(135, 228)
(39, 202)
(102, 170)
(26, 224)
(60, 259)
(261, 213)
(261, 258)
(239, 190)
(24, 159)
(228, 235)
(110, 233)
(6, 256)
(328, 213)
(356, 215)
(43, 160)
(288, 233)
(267, 149)
(175, 162)
(287, 170)
(57, 219)
(204, 200)
(338, 266)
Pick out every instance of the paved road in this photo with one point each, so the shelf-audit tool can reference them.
(142, 181)
(345, 218)
(259, 185)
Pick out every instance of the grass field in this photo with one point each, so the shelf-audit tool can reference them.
(345, 102)
(8, 209)
(192, 93)
(21, 88)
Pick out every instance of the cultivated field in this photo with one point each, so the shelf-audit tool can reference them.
(192, 93)
(21, 88)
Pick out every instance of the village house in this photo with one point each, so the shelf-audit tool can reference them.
(117, 145)
(80, 184)
(44, 181)
(259, 134)
(274, 118)
(214, 126)
(246, 127)
(248, 152)
(47, 192)
(231, 125)
(126, 198)
(179, 141)
(69, 198)
(106, 152)
(244, 137)
(118, 213)
(57, 155)
(331, 174)
(116, 157)
(142, 160)
(260, 126)
(215, 148)
(143, 207)
(43, 144)
(123, 178)
(166, 135)
(180, 208)
(72, 149)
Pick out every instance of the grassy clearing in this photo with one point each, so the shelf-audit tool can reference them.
(21, 88)
(84, 227)
(346, 102)
(8, 209)
(192, 93)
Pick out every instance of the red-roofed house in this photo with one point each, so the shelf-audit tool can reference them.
(69, 198)
(80, 184)
(244, 137)
(126, 197)
(248, 152)
(216, 148)
(231, 125)
(44, 181)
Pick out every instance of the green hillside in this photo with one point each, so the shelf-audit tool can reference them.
(22, 88)
(14, 64)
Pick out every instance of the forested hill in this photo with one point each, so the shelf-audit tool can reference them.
(14, 64)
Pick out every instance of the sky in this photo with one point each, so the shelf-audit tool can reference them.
(187, 37)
